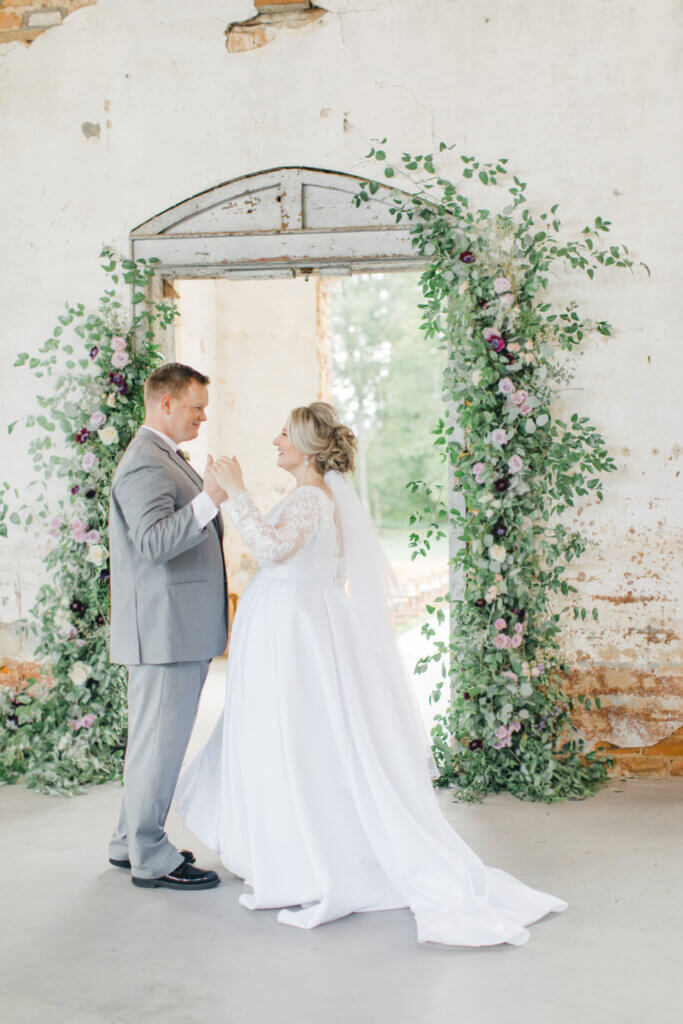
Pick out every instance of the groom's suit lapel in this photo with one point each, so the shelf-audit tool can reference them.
(184, 464)
(178, 460)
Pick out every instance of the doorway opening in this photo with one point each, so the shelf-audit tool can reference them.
(264, 268)
(355, 340)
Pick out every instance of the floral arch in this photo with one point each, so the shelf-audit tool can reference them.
(514, 468)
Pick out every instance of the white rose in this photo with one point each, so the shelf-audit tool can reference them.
(108, 435)
(95, 554)
(79, 673)
(498, 552)
(63, 620)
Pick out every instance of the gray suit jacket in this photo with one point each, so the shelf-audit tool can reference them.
(168, 579)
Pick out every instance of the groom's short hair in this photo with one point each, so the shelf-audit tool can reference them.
(173, 378)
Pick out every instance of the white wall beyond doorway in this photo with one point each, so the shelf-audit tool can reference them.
(265, 346)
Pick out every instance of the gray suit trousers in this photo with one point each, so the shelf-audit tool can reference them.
(162, 706)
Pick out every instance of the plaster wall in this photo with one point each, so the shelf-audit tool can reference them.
(259, 342)
(580, 97)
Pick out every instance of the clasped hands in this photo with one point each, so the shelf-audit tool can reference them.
(223, 478)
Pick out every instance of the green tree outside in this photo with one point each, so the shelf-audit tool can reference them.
(387, 385)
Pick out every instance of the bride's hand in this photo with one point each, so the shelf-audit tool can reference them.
(228, 473)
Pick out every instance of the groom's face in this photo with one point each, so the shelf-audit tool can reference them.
(186, 411)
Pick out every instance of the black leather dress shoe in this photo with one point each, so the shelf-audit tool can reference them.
(187, 854)
(183, 877)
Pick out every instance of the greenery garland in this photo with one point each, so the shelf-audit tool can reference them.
(519, 467)
(69, 729)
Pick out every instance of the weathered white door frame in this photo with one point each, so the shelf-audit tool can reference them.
(283, 222)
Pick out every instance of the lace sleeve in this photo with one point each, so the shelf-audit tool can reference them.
(276, 542)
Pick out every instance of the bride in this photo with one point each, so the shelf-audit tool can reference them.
(315, 784)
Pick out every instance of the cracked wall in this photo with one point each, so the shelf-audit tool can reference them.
(584, 124)
(25, 20)
(274, 16)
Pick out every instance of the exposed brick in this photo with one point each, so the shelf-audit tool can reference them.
(636, 764)
(671, 746)
(9, 20)
(603, 680)
(249, 35)
(15, 674)
(37, 5)
(24, 20)
(248, 38)
(20, 35)
(262, 5)
(44, 19)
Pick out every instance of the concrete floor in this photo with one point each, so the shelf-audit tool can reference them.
(81, 945)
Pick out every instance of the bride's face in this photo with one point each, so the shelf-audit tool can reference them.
(288, 457)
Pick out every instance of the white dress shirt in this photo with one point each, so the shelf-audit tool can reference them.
(203, 507)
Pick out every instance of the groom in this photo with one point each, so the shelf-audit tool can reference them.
(168, 616)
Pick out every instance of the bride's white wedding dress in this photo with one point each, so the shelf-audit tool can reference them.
(314, 786)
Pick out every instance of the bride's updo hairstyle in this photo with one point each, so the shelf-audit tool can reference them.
(317, 433)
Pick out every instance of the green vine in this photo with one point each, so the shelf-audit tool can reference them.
(517, 466)
(59, 732)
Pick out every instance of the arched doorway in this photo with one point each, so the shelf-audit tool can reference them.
(292, 228)
(284, 222)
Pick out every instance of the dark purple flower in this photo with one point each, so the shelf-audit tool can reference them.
(90, 494)
(75, 489)
(500, 529)
(519, 614)
(94, 352)
(501, 484)
(82, 435)
(467, 256)
(480, 602)
(467, 696)
(77, 607)
(104, 575)
(475, 744)
(123, 388)
(495, 341)
(100, 620)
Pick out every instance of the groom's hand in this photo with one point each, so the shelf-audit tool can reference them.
(211, 485)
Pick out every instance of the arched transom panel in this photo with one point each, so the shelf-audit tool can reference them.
(284, 221)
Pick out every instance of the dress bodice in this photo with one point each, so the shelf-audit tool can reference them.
(297, 540)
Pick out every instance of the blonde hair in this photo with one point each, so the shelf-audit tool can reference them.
(316, 432)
